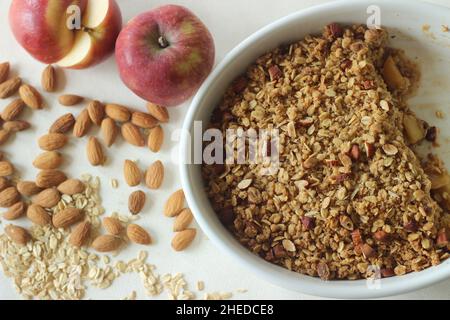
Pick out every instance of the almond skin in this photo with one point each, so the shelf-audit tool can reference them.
(80, 234)
(109, 131)
(82, 124)
(50, 178)
(9, 197)
(28, 188)
(113, 226)
(95, 152)
(183, 220)
(9, 87)
(18, 234)
(48, 160)
(154, 176)
(183, 239)
(4, 183)
(4, 71)
(13, 110)
(143, 120)
(106, 243)
(96, 112)
(48, 79)
(69, 100)
(158, 112)
(47, 198)
(31, 97)
(71, 187)
(174, 204)
(6, 168)
(138, 235)
(4, 136)
(155, 139)
(63, 124)
(67, 217)
(16, 125)
(136, 202)
(117, 112)
(132, 134)
(16, 211)
(132, 173)
(38, 215)
(52, 141)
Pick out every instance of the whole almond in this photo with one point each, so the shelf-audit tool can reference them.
(4, 136)
(106, 243)
(95, 152)
(28, 188)
(6, 168)
(136, 202)
(47, 198)
(109, 131)
(82, 124)
(117, 112)
(183, 220)
(132, 134)
(71, 187)
(183, 239)
(13, 110)
(48, 79)
(9, 87)
(80, 234)
(30, 96)
(9, 197)
(50, 178)
(113, 226)
(63, 124)
(143, 120)
(48, 160)
(16, 125)
(154, 176)
(16, 211)
(158, 112)
(4, 183)
(52, 141)
(155, 139)
(96, 112)
(69, 100)
(138, 235)
(4, 71)
(174, 204)
(132, 173)
(18, 234)
(38, 215)
(67, 217)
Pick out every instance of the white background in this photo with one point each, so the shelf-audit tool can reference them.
(230, 21)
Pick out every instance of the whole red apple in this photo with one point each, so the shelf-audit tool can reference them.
(165, 54)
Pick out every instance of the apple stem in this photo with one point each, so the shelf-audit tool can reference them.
(163, 43)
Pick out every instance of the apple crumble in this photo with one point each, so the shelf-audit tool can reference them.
(351, 195)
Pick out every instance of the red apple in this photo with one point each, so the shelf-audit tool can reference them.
(165, 54)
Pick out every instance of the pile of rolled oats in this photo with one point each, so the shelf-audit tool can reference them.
(351, 195)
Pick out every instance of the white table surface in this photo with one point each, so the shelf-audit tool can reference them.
(230, 21)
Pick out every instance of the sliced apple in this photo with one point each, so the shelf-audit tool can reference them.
(80, 51)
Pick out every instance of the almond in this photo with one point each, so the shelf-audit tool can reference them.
(174, 204)
(13, 110)
(95, 152)
(6, 168)
(63, 124)
(106, 243)
(82, 124)
(16, 126)
(4, 71)
(47, 198)
(28, 188)
(9, 87)
(4, 136)
(183, 220)
(69, 100)
(9, 197)
(48, 79)
(71, 187)
(132, 173)
(154, 176)
(18, 234)
(155, 139)
(4, 183)
(143, 120)
(38, 215)
(67, 217)
(183, 239)
(132, 134)
(136, 202)
(109, 131)
(16, 211)
(50, 178)
(158, 112)
(138, 235)
(52, 141)
(48, 160)
(80, 234)
(30, 96)
(96, 112)
(113, 226)
(117, 112)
